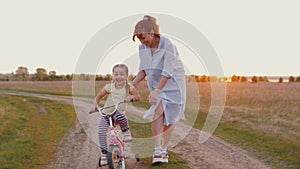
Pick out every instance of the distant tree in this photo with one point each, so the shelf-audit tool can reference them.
(263, 79)
(196, 78)
(63, 77)
(213, 78)
(291, 79)
(280, 80)
(203, 78)
(22, 73)
(244, 79)
(298, 79)
(254, 79)
(69, 77)
(266, 79)
(4, 77)
(41, 74)
(99, 77)
(234, 78)
(82, 77)
(108, 77)
(52, 75)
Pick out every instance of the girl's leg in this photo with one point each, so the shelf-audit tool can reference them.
(102, 133)
(122, 121)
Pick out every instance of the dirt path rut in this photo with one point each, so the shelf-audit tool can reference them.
(214, 154)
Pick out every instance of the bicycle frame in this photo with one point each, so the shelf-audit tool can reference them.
(117, 157)
(114, 139)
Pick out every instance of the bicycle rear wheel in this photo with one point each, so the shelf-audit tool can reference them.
(114, 160)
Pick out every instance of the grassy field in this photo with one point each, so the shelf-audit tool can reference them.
(50, 87)
(30, 129)
(262, 118)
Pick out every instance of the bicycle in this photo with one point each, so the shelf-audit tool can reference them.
(115, 155)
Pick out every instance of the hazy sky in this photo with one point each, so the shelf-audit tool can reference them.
(253, 37)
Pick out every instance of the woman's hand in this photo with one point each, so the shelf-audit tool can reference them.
(139, 77)
(153, 97)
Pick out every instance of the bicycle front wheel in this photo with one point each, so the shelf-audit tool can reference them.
(114, 159)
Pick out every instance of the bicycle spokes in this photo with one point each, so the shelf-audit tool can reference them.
(115, 158)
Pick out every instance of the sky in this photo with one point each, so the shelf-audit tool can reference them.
(257, 37)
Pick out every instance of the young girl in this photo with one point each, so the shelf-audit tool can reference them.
(117, 91)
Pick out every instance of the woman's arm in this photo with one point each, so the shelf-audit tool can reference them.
(135, 96)
(163, 81)
(139, 77)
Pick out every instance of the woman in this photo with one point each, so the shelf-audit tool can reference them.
(160, 63)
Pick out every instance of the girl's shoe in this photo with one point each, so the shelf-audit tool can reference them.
(127, 136)
(157, 155)
(164, 154)
(103, 160)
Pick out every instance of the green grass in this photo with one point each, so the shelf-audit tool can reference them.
(30, 129)
(272, 148)
(175, 162)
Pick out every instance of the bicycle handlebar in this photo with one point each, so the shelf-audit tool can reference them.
(100, 109)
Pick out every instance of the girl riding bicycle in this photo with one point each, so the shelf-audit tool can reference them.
(117, 91)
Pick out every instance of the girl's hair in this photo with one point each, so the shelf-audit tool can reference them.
(146, 25)
(120, 66)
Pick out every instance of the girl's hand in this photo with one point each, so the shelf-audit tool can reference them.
(93, 109)
(153, 97)
(129, 98)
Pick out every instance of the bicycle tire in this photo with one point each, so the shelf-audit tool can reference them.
(113, 158)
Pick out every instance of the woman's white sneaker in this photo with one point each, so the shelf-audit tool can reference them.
(157, 156)
(165, 155)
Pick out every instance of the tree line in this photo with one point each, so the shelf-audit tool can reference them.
(235, 78)
(41, 74)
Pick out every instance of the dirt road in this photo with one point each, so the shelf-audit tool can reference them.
(77, 150)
